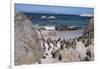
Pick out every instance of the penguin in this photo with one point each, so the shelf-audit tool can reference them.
(60, 57)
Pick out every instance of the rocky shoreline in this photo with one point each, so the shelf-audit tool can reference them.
(31, 48)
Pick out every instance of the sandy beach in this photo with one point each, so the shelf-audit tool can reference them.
(54, 35)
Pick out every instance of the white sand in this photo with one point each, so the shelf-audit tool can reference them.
(61, 34)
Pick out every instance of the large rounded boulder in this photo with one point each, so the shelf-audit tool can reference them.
(27, 48)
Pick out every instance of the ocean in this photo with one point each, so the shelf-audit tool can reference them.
(58, 20)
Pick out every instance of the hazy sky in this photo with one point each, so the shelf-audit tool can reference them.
(53, 9)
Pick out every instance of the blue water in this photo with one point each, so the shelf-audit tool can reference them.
(65, 20)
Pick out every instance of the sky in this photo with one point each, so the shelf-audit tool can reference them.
(33, 8)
